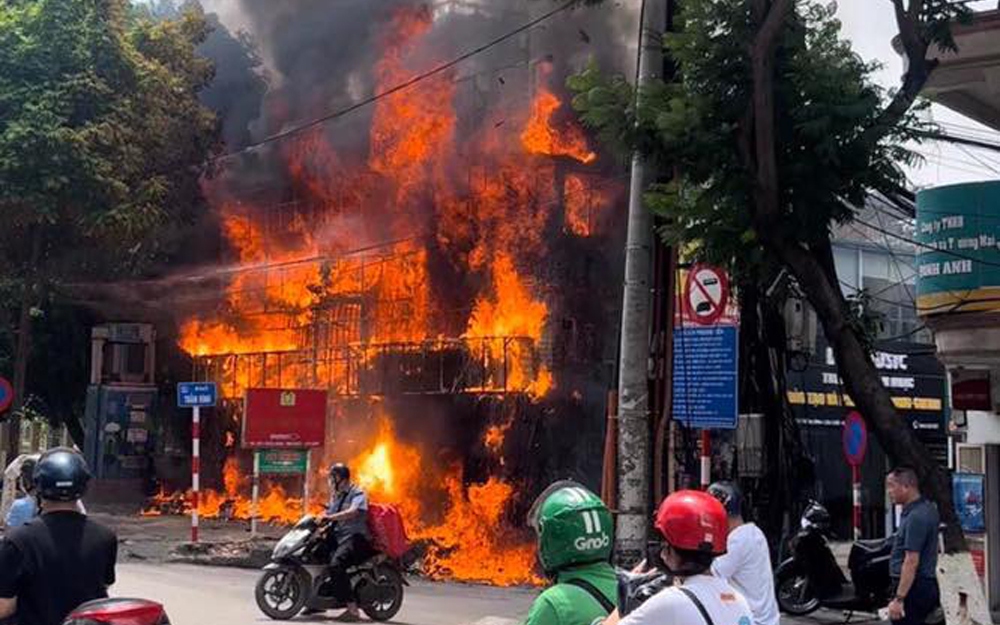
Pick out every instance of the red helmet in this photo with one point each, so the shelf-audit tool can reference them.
(693, 521)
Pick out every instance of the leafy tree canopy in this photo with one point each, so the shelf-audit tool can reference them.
(101, 132)
(827, 105)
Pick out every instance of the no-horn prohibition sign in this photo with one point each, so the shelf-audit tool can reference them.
(706, 294)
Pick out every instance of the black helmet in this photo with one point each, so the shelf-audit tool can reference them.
(339, 471)
(729, 495)
(817, 515)
(61, 475)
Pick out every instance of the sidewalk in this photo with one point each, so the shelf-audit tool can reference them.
(167, 538)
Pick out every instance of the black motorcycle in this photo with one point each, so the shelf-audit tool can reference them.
(298, 577)
(811, 578)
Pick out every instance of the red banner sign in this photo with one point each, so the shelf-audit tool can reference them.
(970, 390)
(275, 418)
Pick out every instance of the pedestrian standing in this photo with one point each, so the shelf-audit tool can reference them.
(913, 564)
(747, 561)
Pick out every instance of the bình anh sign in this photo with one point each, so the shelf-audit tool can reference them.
(958, 260)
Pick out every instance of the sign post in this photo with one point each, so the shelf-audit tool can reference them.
(706, 359)
(255, 496)
(305, 483)
(196, 395)
(706, 459)
(281, 425)
(855, 444)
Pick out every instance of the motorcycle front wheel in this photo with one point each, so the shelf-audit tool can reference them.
(384, 596)
(282, 593)
(795, 593)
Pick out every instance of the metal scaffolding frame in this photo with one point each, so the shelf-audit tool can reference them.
(482, 365)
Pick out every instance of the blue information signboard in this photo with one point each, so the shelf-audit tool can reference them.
(196, 394)
(706, 365)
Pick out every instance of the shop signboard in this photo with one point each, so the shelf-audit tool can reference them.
(958, 260)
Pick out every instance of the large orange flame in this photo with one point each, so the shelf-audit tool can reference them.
(317, 277)
(540, 137)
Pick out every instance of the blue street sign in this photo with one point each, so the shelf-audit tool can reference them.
(196, 394)
(706, 364)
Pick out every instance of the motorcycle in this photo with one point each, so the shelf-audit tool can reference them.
(298, 577)
(811, 578)
(118, 611)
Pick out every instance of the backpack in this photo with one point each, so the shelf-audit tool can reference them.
(385, 524)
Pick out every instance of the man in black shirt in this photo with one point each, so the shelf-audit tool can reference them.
(61, 559)
(913, 565)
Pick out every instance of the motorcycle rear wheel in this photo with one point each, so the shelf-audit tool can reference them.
(388, 595)
(282, 593)
(795, 594)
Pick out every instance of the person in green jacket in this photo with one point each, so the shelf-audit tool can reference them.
(575, 540)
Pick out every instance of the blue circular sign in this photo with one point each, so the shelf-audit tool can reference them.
(855, 438)
(6, 394)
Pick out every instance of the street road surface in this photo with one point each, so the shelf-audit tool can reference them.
(203, 595)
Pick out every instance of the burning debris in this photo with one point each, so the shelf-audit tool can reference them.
(417, 266)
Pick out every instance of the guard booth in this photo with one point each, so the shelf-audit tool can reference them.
(121, 401)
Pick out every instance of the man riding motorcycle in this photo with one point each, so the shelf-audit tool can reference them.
(575, 540)
(348, 510)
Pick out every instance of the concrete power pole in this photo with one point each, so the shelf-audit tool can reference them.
(633, 370)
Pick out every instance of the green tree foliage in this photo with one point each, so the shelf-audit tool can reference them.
(771, 131)
(824, 101)
(102, 143)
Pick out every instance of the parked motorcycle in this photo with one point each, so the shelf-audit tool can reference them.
(118, 611)
(298, 577)
(811, 578)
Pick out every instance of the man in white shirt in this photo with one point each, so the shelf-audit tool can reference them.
(747, 562)
(694, 528)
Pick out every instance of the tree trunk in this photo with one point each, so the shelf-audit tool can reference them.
(864, 383)
(22, 348)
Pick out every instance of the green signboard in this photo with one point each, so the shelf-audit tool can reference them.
(283, 461)
(958, 263)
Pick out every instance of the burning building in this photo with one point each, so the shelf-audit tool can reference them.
(450, 275)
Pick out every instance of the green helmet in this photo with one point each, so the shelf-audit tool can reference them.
(573, 525)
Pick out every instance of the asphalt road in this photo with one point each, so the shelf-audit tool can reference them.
(201, 595)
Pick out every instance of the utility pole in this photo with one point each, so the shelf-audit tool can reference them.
(633, 368)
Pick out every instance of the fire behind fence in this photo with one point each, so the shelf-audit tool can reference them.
(422, 279)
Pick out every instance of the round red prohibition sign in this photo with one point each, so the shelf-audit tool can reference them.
(706, 294)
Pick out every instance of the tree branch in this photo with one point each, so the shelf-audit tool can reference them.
(762, 59)
(918, 71)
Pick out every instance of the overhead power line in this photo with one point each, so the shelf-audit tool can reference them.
(406, 84)
(925, 246)
(951, 138)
